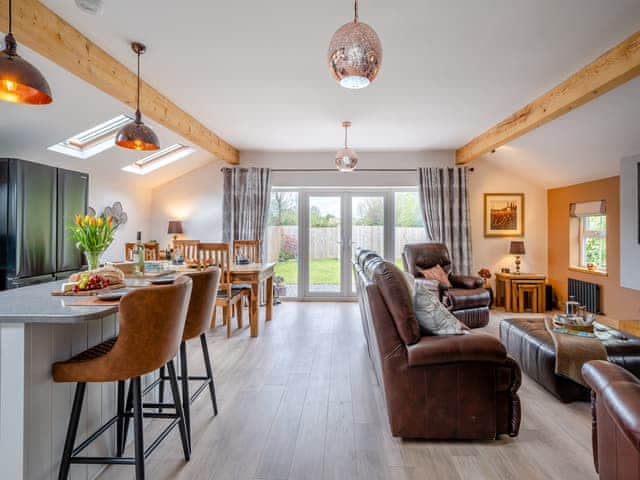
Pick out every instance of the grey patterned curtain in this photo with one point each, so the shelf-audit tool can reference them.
(444, 202)
(247, 193)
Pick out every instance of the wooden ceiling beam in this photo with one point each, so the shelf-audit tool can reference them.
(44, 32)
(613, 68)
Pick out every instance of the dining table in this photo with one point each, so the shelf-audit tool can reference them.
(252, 274)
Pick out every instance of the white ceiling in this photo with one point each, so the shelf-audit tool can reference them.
(255, 73)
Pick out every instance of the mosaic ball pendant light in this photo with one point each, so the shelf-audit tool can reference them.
(346, 158)
(355, 54)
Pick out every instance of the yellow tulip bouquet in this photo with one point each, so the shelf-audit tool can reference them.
(93, 235)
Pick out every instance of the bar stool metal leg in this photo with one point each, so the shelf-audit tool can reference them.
(184, 380)
(138, 427)
(161, 387)
(207, 366)
(127, 408)
(120, 421)
(72, 431)
(173, 380)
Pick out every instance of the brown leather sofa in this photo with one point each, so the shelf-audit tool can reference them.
(466, 299)
(435, 387)
(615, 402)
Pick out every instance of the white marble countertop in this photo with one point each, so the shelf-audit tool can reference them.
(35, 304)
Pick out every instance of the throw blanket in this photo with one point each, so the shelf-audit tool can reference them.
(573, 351)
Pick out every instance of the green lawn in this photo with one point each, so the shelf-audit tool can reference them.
(323, 272)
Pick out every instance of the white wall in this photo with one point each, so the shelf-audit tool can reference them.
(135, 201)
(333, 178)
(492, 253)
(196, 198)
(629, 224)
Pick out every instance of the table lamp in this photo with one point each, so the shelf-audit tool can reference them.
(175, 229)
(517, 249)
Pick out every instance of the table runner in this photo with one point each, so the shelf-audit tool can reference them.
(573, 351)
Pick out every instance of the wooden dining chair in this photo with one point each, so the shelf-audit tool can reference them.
(247, 248)
(151, 251)
(188, 249)
(229, 296)
(251, 250)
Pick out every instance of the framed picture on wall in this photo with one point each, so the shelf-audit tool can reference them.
(504, 214)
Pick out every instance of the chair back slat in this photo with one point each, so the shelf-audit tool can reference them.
(151, 251)
(216, 254)
(247, 248)
(188, 249)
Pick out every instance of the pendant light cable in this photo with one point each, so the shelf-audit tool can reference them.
(355, 8)
(138, 115)
(10, 15)
(345, 136)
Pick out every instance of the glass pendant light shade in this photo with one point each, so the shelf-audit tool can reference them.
(346, 158)
(20, 82)
(136, 135)
(355, 54)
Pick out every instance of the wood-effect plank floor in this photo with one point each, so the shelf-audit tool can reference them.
(302, 402)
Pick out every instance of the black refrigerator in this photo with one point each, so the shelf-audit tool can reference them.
(37, 204)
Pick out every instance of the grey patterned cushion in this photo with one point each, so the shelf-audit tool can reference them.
(433, 317)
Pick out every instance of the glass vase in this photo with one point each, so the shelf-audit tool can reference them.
(93, 259)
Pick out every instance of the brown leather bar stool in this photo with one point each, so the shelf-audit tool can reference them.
(151, 324)
(201, 305)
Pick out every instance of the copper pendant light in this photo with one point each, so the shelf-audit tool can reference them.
(136, 135)
(20, 82)
(355, 54)
(346, 158)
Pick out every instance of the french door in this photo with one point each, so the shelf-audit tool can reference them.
(334, 224)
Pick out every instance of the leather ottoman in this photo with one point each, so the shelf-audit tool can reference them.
(529, 343)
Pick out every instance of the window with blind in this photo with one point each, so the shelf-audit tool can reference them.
(588, 236)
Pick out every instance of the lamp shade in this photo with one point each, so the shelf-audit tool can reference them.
(175, 227)
(137, 136)
(21, 82)
(516, 248)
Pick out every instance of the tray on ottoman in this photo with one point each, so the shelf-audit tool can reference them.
(529, 343)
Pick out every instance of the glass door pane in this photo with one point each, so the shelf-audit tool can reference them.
(282, 241)
(325, 245)
(408, 223)
(367, 225)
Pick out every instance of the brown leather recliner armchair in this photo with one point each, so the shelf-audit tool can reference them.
(466, 298)
(435, 387)
(615, 403)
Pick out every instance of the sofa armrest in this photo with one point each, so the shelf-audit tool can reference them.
(619, 392)
(600, 374)
(468, 347)
(431, 284)
(466, 281)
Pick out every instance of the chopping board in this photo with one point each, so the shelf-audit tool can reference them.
(87, 293)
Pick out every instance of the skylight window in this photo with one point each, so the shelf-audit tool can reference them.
(159, 159)
(93, 141)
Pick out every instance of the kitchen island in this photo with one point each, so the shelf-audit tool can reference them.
(36, 330)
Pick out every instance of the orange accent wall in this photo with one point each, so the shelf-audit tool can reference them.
(616, 302)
